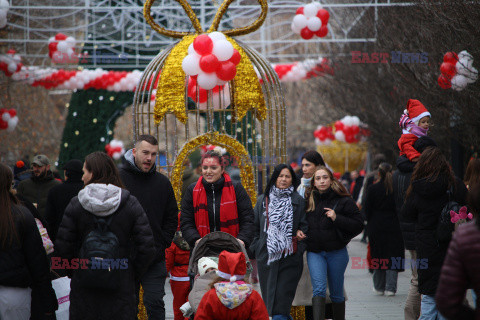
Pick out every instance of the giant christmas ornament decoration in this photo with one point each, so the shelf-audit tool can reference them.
(8, 119)
(10, 63)
(115, 149)
(61, 49)
(457, 71)
(311, 20)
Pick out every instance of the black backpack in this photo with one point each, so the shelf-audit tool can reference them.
(445, 226)
(102, 249)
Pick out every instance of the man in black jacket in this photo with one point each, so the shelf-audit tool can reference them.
(155, 193)
(59, 196)
(401, 181)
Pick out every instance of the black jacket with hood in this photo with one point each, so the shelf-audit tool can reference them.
(130, 224)
(244, 210)
(423, 207)
(155, 193)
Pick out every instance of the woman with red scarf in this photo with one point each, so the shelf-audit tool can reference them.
(216, 203)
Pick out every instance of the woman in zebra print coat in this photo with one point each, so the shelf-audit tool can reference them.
(280, 227)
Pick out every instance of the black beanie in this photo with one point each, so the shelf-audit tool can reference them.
(314, 157)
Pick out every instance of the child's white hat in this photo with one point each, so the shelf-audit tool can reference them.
(204, 264)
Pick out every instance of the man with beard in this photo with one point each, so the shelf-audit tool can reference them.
(37, 187)
(155, 193)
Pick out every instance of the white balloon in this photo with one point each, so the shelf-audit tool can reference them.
(4, 5)
(6, 116)
(327, 142)
(207, 81)
(300, 21)
(70, 41)
(51, 39)
(3, 14)
(13, 121)
(190, 49)
(215, 36)
(459, 82)
(472, 75)
(317, 4)
(310, 10)
(314, 23)
(295, 29)
(12, 67)
(62, 46)
(340, 136)
(116, 155)
(191, 65)
(221, 82)
(59, 57)
(464, 54)
(223, 50)
(356, 121)
(116, 87)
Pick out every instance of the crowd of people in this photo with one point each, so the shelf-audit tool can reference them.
(117, 229)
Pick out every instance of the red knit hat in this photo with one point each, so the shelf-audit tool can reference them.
(232, 266)
(416, 110)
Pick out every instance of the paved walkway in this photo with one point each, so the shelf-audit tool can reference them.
(362, 303)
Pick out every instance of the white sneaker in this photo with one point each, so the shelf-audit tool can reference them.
(389, 293)
(378, 293)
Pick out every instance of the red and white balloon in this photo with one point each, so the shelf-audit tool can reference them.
(61, 49)
(457, 71)
(212, 60)
(8, 119)
(115, 149)
(10, 63)
(323, 135)
(220, 95)
(311, 20)
(347, 129)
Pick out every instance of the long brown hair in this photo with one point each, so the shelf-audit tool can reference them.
(472, 174)
(103, 169)
(385, 173)
(8, 232)
(336, 186)
(430, 165)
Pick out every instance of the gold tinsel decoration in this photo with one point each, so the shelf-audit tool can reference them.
(233, 147)
(342, 156)
(298, 312)
(248, 92)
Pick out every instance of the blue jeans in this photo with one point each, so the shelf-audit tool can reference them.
(329, 265)
(153, 283)
(429, 309)
(281, 317)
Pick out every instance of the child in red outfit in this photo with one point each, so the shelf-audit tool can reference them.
(176, 260)
(414, 122)
(230, 298)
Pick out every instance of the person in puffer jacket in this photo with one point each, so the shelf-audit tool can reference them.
(461, 269)
(230, 297)
(104, 197)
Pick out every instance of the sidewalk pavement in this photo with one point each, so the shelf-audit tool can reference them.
(362, 304)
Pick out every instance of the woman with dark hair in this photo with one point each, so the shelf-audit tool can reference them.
(472, 174)
(25, 288)
(216, 203)
(426, 196)
(280, 227)
(333, 220)
(310, 161)
(103, 204)
(386, 241)
(461, 269)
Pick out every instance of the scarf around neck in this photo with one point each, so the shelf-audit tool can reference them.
(304, 184)
(279, 214)
(228, 208)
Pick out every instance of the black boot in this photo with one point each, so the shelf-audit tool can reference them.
(339, 311)
(318, 305)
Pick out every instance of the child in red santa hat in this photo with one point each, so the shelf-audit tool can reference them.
(414, 122)
(176, 260)
(230, 297)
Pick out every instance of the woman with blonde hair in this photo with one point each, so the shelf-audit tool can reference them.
(333, 220)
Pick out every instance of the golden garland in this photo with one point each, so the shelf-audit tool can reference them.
(298, 312)
(338, 154)
(233, 147)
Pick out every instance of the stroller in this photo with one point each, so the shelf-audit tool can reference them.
(210, 245)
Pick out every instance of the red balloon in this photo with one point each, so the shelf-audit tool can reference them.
(226, 71)
(209, 63)
(60, 36)
(448, 69)
(348, 131)
(339, 125)
(19, 67)
(3, 124)
(299, 10)
(108, 148)
(12, 112)
(3, 66)
(236, 57)
(322, 32)
(355, 129)
(203, 44)
(306, 33)
(444, 82)
(450, 57)
(324, 15)
(322, 136)
(52, 46)
(349, 138)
